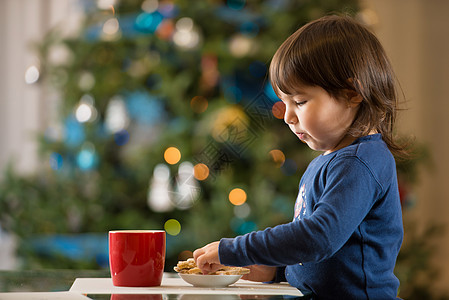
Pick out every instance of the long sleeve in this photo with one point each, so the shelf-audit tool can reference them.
(347, 229)
(335, 217)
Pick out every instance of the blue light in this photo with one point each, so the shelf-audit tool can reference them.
(86, 159)
(74, 132)
(148, 22)
(233, 94)
(247, 227)
(240, 226)
(121, 137)
(79, 247)
(269, 92)
(144, 108)
(56, 161)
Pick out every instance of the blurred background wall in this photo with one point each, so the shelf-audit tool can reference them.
(24, 111)
(415, 34)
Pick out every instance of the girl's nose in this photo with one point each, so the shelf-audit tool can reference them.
(290, 117)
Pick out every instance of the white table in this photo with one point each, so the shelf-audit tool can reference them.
(179, 287)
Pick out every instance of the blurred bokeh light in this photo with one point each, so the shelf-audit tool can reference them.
(172, 227)
(172, 155)
(237, 196)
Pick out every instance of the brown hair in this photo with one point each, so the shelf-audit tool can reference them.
(337, 53)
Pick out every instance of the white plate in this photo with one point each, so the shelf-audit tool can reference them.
(210, 280)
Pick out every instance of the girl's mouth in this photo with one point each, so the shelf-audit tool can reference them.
(301, 135)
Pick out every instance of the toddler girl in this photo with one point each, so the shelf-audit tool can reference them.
(338, 89)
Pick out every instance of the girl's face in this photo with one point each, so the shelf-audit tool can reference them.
(320, 120)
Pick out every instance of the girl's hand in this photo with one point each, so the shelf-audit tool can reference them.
(260, 273)
(207, 259)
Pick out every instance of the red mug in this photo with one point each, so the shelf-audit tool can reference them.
(136, 257)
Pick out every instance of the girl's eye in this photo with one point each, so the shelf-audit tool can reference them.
(300, 103)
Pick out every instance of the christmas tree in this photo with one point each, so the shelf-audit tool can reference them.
(166, 120)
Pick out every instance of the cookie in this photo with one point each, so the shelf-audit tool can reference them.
(233, 271)
(190, 263)
(189, 267)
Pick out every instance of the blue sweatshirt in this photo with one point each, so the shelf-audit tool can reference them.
(347, 228)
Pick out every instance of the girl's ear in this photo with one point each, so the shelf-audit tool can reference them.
(353, 98)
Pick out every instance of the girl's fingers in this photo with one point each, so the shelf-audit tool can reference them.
(206, 258)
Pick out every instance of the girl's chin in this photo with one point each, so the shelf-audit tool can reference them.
(314, 147)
